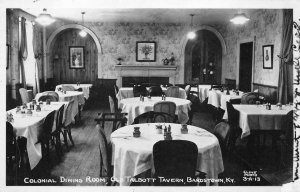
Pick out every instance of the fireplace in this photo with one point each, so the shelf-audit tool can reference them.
(130, 81)
(128, 75)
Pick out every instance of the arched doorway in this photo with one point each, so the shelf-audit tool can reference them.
(60, 57)
(203, 57)
(51, 58)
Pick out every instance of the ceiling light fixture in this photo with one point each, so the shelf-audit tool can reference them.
(191, 34)
(239, 18)
(82, 33)
(45, 18)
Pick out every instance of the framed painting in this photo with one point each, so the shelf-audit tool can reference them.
(145, 51)
(76, 57)
(268, 56)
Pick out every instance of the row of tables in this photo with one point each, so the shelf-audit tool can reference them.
(28, 125)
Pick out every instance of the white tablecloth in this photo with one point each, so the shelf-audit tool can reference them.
(203, 91)
(219, 99)
(132, 156)
(127, 92)
(28, 125)
(253, 117)
(85, 88)
(70, 95)
(134, 107)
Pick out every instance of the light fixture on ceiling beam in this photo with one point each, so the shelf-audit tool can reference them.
(191, 34)
(45, 18)
(82, 33)
(239, 18)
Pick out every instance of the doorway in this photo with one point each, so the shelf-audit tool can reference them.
(245, 69)
(203, 59)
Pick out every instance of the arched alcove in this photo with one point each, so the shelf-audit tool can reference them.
(58, 31)
(189, 47)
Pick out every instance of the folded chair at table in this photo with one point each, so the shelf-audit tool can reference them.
(175, 159)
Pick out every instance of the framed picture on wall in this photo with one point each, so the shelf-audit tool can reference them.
(76, 57)
(146, 51)
(268, 56)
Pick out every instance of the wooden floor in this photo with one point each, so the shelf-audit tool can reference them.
(81, 162)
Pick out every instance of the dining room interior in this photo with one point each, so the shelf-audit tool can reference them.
(149, 97)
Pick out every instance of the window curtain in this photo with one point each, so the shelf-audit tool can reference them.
(37, 50)
(23, 50)
(285, 83)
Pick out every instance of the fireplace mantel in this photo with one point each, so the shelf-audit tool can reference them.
(145, 71)
(146, 67)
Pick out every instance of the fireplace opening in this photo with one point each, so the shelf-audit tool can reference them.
(148, 81)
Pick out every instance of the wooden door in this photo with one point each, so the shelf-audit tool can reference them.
(245, 71)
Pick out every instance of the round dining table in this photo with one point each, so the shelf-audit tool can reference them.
(77, 96)
(132, 156)
(134, 107)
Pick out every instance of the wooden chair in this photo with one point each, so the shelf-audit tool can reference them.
(175, 159)
(139, 90)
(113, 105)
(24, 95)
(153, 117)
(105, 154)
(116, 89)
(56, 134)
(66, 128)
(168, 107)
(223, 132)
(67, 88)
(173, 91)
(12, 156)
(47, 97)
(233, 121)
(249, 98)
(44, 135)
(155, 91)
(118, 119)
(235, 101)
(287, 141)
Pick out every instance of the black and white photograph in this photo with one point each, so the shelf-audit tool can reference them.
(192, 97)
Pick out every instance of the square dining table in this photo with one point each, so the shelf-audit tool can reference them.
(257, 117)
